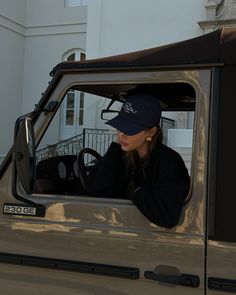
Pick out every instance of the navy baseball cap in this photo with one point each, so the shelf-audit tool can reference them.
(139, 112)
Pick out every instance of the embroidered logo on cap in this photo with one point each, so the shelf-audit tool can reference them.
(128, 108)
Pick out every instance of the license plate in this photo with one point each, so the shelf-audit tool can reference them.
(19, 209)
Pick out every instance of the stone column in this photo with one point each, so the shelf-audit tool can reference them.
(219, 13)
(211, 9)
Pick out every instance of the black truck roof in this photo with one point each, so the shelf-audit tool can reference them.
(218, 46)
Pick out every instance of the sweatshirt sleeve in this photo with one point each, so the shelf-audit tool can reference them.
(162, 203)
(107, 177)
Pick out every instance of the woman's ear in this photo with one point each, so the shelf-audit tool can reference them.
(152, 131)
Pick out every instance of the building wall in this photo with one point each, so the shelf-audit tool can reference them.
(13, 10)
(12, 15)
(127, 25)
(51, 31)
(36, 35)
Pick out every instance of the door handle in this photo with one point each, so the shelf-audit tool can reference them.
(222, 284)
(182, 279)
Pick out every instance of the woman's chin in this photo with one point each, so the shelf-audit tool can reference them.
(125, 148)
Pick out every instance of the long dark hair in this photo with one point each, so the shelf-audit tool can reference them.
(132, 158)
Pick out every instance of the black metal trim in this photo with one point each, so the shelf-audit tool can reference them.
(182, 279)
(224, 285)
(60, 71)
(212, 154)
(71, 265)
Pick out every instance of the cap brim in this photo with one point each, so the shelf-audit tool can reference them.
(125, 126)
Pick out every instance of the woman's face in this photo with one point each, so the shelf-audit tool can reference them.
(136, 142)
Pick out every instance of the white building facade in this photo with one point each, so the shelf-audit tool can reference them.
(35, 36)
(38, 34)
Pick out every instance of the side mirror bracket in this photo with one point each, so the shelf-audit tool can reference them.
(107, 113)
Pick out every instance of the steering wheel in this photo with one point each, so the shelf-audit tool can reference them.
(82, 173)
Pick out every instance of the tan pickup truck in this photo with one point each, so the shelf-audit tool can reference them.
(55, 239)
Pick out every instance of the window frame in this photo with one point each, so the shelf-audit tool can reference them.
(198, 79)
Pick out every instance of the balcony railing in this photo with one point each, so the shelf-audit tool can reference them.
(70, 146)
(98, 139)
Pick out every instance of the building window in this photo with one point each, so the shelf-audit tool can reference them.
(73, 106)
(74, 3)
(75, 99)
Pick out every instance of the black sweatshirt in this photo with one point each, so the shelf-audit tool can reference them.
(159, 194)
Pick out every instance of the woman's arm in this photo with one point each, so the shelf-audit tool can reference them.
(162, 202)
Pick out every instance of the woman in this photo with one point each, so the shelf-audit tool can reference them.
(138, 166)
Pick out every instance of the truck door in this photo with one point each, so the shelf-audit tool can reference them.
(221, 250)
(110, 245)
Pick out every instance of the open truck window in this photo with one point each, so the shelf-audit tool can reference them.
(80, 124)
